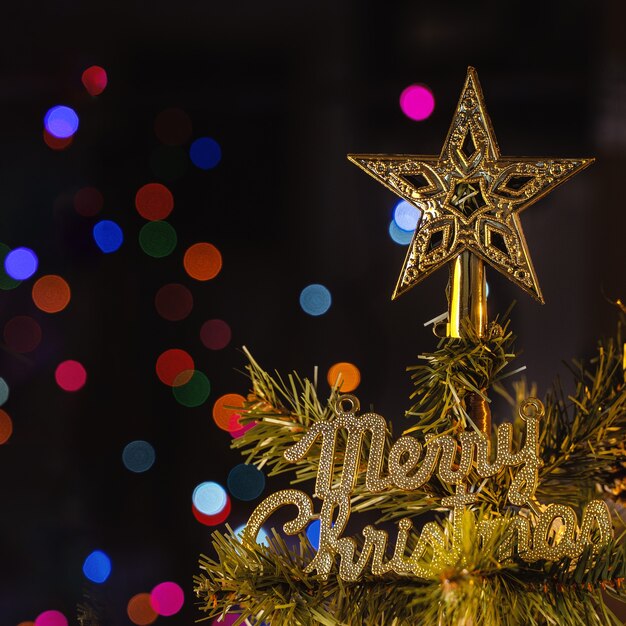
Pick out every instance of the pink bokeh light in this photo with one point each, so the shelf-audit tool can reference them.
(51, 618)
(70, 376)
(167, 598)
(417, 102)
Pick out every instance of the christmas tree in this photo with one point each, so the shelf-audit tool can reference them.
(473, 523)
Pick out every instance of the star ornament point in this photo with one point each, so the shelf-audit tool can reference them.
(470, 197)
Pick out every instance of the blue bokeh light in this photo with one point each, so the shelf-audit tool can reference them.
(401, 237)
(205, 153)
(313, 533)
(4, 391)
(21, 263)
(97, 567)
(209, 498)
(61, 121)
(315, 299)
(108, 236)
(245, 482)
(406, 216)
(262, 536)
(138, 456)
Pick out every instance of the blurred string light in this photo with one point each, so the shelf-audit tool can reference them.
(225, 407)
(205, 153)
(88, 201)
(108, 236)
(51, 293)
(406, 216)
(154, 201)
(245, 482)
(6, 281)
(95, 80)
(138, 456)
(70, 375)
(202, 261)
(194, 391)
(51, 618)
(4, 391)
(209, 497)
(313, 533)
(173, 302)
(139, 610)
(215, 334)
(417, 102)
(6, 426)
(61, 121)
(235, 427)
(56, 143)
(22, 334)
(97, 567)
(158, 239)
(171, 364)
(172, 126)
(345, 376)
(262, 536)
(26, 624)
(167, 598)
(169, 162)
(401, 237)
(228, 620)
(213, 520)
(21, 263)
(315, 299)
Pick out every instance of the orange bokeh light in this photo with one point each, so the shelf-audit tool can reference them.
(140, 610)
(51, 293)
(345, 376)
(222, 413)
(6, 426)
(202, 261)
(154, 201)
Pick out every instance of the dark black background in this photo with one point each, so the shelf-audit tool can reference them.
(288, 89)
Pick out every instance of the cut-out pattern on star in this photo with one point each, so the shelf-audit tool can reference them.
(470, 196)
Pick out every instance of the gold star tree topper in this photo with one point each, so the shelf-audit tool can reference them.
(469, 196)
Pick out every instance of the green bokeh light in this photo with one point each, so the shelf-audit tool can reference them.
(194, 392)
(158, 239)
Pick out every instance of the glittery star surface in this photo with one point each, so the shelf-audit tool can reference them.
(469, 196)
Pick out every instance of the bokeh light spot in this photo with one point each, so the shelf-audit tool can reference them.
(138, 456)
(154, 201)
(205, 153)
(22, 334)
(228, 620)
(6, 282)
(175, 366)
(245, 482)
(417, 102)
(209, 498)
(158, 239)
(261, 537)
(215, 334)
(313, 533)
(6, 426)
(140, 611)
(236, 428)
(51, 618)
(213, 520)
(97, 566)
(172, 126)
(108, 236)
(51, 293)
(4, 391)
(202, 261)
(194, 391)
(21, 263)
(57, 143)
(345, 376)
(95, 80)
(26, 624)
(399, 236)
(61, 121)
(70, 375)
(88, 201)
(315, 299)
(225, 407)
(406, 216)
(167, 598)
(173, 302)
